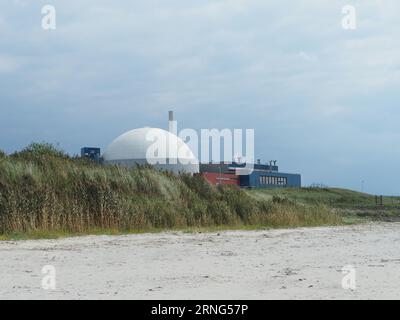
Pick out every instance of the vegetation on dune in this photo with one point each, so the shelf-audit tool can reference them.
(2, 154)
(350, 205)
(42, 190)
(329, 196)
(315, 195)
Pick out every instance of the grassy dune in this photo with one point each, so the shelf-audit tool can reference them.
(350, 205)
(43, 192)
(328, 196)
(333, 197)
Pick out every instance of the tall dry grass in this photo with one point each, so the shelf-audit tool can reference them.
(44, 190)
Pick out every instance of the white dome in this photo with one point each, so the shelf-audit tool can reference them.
(153, 146)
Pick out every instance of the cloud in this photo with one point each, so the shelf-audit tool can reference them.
(8, 64)
(312, 91)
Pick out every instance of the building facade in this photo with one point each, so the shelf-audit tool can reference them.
(91, 153)
(262, 176)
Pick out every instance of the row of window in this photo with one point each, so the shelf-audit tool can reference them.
(277, 181)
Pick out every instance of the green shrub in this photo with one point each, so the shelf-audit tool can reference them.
(37, 150)
(44, 190)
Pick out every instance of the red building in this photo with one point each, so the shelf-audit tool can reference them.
(221, 178)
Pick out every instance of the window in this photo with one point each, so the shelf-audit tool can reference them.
(276, 181)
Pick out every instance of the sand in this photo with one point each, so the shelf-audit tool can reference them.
(272, 264)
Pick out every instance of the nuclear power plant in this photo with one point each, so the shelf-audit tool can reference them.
(136, 147)
(131, 148)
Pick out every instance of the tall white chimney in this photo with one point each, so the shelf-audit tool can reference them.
(171, 122)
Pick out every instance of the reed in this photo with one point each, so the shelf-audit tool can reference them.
(42, 190)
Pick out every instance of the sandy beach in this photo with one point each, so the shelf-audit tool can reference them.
(270, 264)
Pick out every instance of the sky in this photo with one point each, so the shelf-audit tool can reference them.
(323, 100)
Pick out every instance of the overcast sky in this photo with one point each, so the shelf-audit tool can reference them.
(323, 101)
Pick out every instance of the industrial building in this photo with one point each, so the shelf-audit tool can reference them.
(262, 176)
(91, 153)
(131, 149)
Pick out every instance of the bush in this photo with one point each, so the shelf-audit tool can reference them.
(37, 150)
(2, 154)
(43, 190)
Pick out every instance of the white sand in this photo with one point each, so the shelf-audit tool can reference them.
(288, 264)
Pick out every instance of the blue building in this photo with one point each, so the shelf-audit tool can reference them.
(265, 179)
(91, 153)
